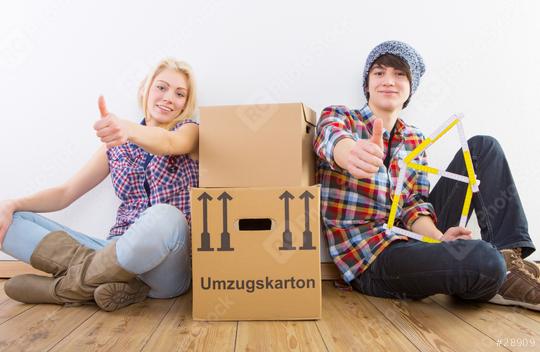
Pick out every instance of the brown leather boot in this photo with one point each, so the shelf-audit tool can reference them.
(121, 288)
(521, 287)
(115, 295)
(77, 286)
(36, 289)
(56, 252)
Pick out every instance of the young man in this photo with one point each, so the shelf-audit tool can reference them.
(359, 151)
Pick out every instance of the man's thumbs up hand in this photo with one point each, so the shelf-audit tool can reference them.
(366, 155)
(376, 137)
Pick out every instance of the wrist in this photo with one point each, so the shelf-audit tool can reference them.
(12, 205)
(341, 151)
(130, 128)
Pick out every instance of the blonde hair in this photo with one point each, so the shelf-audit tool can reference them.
(191, 101)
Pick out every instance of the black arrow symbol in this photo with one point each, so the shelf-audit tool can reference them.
(205, 235)
(225, 235)
(287, 235)
(307, 235)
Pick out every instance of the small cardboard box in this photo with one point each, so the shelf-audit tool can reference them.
(256, 145)
(256, 253)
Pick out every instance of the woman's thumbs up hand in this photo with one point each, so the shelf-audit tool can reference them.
(110, 129)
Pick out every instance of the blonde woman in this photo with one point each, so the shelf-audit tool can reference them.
(152, 166)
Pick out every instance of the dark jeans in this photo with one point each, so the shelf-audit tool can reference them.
(470, 269)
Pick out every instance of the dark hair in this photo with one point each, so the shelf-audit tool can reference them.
(396, 63)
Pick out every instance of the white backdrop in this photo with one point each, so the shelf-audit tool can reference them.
(56, 57)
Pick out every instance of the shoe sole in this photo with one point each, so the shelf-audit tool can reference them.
(498, 299)
(115, 295)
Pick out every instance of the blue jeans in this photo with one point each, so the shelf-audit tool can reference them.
(155, 246)
(470, 269)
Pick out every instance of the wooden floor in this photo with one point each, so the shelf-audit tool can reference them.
(351, 322)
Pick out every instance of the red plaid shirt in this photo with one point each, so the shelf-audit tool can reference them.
(355, 210)
(169, 178)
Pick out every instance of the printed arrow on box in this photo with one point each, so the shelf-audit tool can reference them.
(225, 235)
(287, 235)
(307, 235)
(205, 235)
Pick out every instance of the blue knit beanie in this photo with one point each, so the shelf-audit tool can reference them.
(405, 52)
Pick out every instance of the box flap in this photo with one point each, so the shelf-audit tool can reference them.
(309, 116)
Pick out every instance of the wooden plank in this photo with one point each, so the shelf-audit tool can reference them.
(3, 296)
(41, 327)
(503, 324)
(126, 329)
(10, 268)
(431, 327)
(351, 323)
(10, 308)
(179, 332)
(534, 315)
(279, 336)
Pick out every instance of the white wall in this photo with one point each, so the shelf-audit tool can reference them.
(56, 57)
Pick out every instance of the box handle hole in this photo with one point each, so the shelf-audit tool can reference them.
(263, 224)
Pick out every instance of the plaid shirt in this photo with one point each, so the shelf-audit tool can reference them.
(355, 210)
(169, 178)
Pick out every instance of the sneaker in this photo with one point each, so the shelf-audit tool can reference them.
(532, 268)
(522, 286)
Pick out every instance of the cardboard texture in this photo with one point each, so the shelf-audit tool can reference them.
(325, 251)
(256, 253)
(256, 145)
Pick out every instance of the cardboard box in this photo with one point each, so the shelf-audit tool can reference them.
(257, 146)
(325, 251)
(256, 253)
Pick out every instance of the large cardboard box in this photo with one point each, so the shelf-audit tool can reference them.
(256, 145)
(256, 253)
